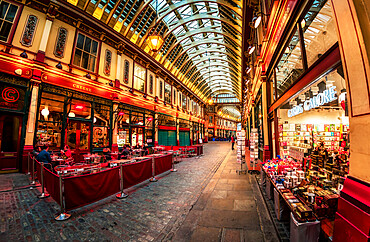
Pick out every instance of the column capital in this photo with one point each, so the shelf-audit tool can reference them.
(35, 82)
(52, 11)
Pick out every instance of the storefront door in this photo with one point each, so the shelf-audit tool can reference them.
(10, 132)
(78, 138)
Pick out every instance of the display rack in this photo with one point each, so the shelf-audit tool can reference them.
(253, 150)
(240, 150)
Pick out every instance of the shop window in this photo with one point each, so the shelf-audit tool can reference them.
(8, 14)
(184, 102)
(137, 118)
(29, 30)
(107, 62)
(79, 109)
(85, 52)
(167, 93)
(160, 89)
(319, 114)
(61, 42)
(50, 118)
(126, 72)
(151, 84)
(139, 78)
(290, 66)
(101, 124)
(319, 30)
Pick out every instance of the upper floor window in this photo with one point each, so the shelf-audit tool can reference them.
(85, 53)
(139, 78)
(126, 72)
(8, 13)
(151, 84)
(167, 93)
(160, 89)
(29, 30)
(184, 103)
(174, 96)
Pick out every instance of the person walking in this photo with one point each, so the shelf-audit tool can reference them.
(232, 142)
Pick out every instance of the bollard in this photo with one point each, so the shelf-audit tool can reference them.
(33, 171)
(121, 194)
(28, 164)
(153, 179)
(63, 215)
(173, 164)
(43, 194)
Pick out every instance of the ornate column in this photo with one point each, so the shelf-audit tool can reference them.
(31, 122)
(177, 130)
(115, 125)
(120, 47)
(265, 96)
(155, 127)
(50, 15)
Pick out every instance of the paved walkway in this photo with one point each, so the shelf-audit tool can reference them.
(205, 197)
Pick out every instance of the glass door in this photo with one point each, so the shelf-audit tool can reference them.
(10, 132)
(78, 137)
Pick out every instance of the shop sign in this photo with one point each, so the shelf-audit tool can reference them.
(320, 99)
(11, 98)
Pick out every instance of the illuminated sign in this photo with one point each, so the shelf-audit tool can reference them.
(320, 99)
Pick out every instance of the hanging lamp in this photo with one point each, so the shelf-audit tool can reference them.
(155, 40)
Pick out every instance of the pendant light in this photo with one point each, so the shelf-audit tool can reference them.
(155, 41)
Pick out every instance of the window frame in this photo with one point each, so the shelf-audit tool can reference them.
(15, 22)
(96, 69)
(133, 77)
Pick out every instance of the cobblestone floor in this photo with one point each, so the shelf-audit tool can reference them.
(148, 214)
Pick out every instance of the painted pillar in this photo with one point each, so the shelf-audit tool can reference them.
(191, 131)
(156, 129)
(31, 122)
(266, 146)
(115, 130)
(50, 15)
(353, 29)
(177, 130)
(118, 70)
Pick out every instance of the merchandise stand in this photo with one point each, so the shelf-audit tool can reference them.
(253, 151)
(240, 151)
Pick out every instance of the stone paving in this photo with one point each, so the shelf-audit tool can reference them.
(150, 213)
(230, 208)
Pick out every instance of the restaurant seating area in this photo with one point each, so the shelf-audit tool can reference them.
(76, 183)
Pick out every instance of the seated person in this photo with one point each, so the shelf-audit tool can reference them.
(67, 152)
(44, 155)
(36, 151)
(124, 153)
(107, 154)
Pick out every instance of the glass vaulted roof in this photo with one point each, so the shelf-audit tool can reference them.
(202, 39)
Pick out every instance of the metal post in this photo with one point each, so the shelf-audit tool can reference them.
(121, 194)
(33, 171)
(173, 164)
(43, 194)
(153, 179)
(28, 164)
(63, 215)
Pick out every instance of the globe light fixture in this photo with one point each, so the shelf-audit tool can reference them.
(155, 41)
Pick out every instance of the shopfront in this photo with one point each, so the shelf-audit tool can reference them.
(195, 132)
(184, 132)
(317, 118)
(167, 130)
(14, 102)
(135, 126)
(67, 117)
